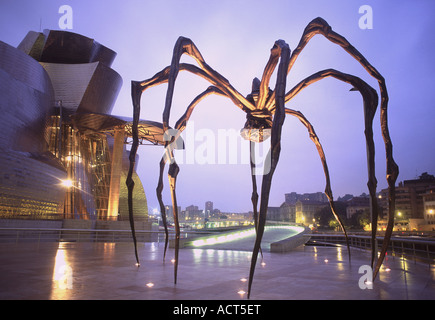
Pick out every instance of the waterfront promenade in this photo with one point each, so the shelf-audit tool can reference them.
(90, 270)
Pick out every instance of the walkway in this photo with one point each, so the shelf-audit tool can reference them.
(244, 240)
(107, 271)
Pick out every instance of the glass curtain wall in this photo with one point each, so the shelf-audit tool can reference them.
(87, 161)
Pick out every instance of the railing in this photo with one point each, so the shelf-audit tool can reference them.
(419, 249)
(99, 235)
(85, 235)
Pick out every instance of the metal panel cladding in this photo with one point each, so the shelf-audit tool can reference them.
(26, 100)
(69, 47)
(29, 177)
(85, 87)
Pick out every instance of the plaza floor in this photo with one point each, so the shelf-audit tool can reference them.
(107, 271)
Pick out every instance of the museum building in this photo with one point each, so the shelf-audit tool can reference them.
(62, 154)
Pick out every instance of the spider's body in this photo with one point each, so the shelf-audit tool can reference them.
(259, 121)
(265, 113)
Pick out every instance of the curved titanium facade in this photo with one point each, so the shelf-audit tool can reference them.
(90, 87)
(44, 82)
(65, 47)
(26, 99)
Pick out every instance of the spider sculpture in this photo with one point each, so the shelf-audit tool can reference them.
(265, 112)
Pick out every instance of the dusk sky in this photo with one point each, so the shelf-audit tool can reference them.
(235, 38)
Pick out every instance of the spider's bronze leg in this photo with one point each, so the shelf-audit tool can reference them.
(182, 46)
(254, 196)
(370, 99)
(267, 73)
(132, 158)
(174, 168)
(320, 26)
(180, 125)
(159, 190)
(138, 87)
(185, 45)
(328, 190)
(273, 154)
(172, 175)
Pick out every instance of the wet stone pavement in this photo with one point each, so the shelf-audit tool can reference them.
(107, 271)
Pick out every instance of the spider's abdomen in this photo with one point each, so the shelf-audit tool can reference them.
(257, 127)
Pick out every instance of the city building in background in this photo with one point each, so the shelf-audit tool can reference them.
(299, 208)
(208, 209)
(429, 208)
(307, 210)
(62, 154)
(357, 205)
(293, 197)
(414, 203)
(414, 207)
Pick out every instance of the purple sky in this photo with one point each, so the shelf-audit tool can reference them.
(235, 38)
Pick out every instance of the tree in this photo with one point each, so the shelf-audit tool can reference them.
(359, 219)
(325, 217)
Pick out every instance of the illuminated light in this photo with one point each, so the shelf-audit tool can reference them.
(223, 239)
(198, 243)
(62, 272)
(241, 292)
(220, 239)
(339, 255)
(230, 237)
(137, 264)
(326, 260)
(243, 279)
(173, 260)
(67, 183)
(211, 241)
(387, 269)
(263, 263)
(237, 236)
(150, 284)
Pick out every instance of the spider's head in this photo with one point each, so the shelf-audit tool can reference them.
(259, 122)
